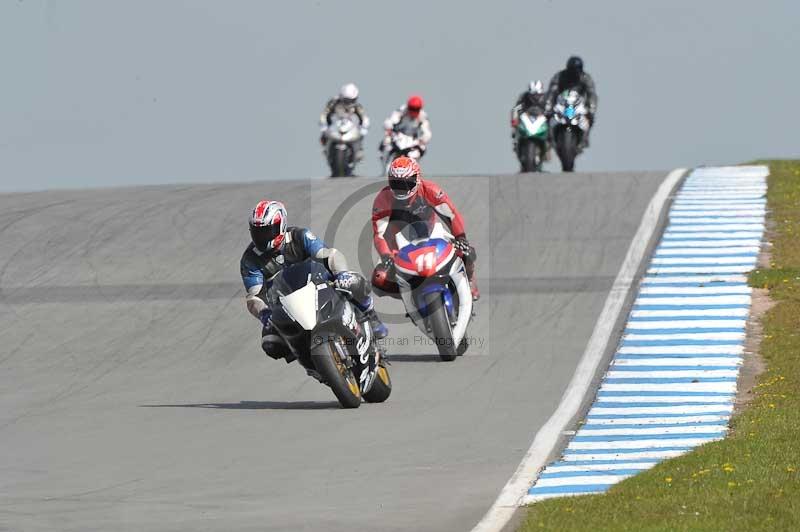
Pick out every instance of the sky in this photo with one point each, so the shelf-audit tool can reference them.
(108, 92)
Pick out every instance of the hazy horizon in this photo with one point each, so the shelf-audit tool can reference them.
(108, 93)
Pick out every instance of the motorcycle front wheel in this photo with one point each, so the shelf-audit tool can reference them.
(382, 387)
(568, 149)
(328, 356)
(339, 163)
(529, 156)
(440, 326)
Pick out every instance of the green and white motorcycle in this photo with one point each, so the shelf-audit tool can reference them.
(531, 139)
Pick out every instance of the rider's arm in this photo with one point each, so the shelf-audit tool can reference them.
(381, 213)
(444, 207)
(552, 93)
(325, 117)
(362, 115)
(394, 119)
(425, 133)
(253, 280)
(591, 94)
(315, 248)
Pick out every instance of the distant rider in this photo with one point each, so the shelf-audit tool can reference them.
(533, 101)
(410, 119)
(407, 199)
(347, 103)
(573, 77)
(273, 246)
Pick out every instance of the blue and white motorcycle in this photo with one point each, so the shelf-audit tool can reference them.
(569, 124)
(434, 286)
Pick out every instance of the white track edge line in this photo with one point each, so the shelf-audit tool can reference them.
(512, 494)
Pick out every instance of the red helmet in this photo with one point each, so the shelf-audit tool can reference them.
(268, 225)
(404, 175)
(414, 105)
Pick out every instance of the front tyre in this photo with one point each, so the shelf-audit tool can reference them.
(382, 386)
(329, 358)
(568, 149)
(339, 163)
(529, 156)
(440, 326)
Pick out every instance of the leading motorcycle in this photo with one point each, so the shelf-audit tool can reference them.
(330, 337)
(569, 124)
(434, 286)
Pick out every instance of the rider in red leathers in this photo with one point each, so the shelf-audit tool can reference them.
(408, 199)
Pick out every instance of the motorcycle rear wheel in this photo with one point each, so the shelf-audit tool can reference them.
(327, 358)
(440, 325)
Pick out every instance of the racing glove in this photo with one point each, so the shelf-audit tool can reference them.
(464, 248)
(264, 317)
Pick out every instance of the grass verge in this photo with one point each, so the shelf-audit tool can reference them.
(751, 479)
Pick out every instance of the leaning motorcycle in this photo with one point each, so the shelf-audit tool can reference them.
(569, 124)
(330, 337)
(343, 136)
(531, 137)
(434, 286)
(400, 144)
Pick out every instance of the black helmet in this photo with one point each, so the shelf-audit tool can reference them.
(575, 65)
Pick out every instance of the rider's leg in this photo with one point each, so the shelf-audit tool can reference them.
(275, 346)
(469, 265)
(360, 297)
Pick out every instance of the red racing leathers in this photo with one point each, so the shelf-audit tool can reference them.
(390, 215)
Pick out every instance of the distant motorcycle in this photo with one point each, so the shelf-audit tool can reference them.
(569, 124)
(343, 137)
(328, 334)
(434, 286)
(400, 144)
(531, 139)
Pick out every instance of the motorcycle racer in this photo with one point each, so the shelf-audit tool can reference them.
(407, 199)
(533, 101)
(273, 246)
(574, 78)
(410, 119)
(347, 101)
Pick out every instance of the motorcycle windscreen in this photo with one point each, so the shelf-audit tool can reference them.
(301, 305)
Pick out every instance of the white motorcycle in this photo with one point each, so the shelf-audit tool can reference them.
(343, 136)
(569, 124)
(434, 286)
(400, 144)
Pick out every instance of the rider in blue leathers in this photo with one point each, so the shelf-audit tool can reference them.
(275, 245)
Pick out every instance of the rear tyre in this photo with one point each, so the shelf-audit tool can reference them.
(339, 163)
(568, 150)
(382, 387)
(440, 325)
(328, 358)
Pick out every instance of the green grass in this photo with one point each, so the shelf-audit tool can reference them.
(750, 480)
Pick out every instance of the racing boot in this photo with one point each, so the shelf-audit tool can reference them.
(378, 327)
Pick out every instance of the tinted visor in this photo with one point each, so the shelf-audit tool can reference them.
(402, 186)
(262, 236)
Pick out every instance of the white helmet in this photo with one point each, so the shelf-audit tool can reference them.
(348, 91)
(536, 87)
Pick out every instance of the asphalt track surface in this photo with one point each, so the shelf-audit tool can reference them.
(135, 395)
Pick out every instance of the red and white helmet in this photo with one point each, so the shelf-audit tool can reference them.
(414, 105)
(404, 175)
(268, 225)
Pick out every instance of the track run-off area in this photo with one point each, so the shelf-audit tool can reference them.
(136, 396)
(671, 385)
